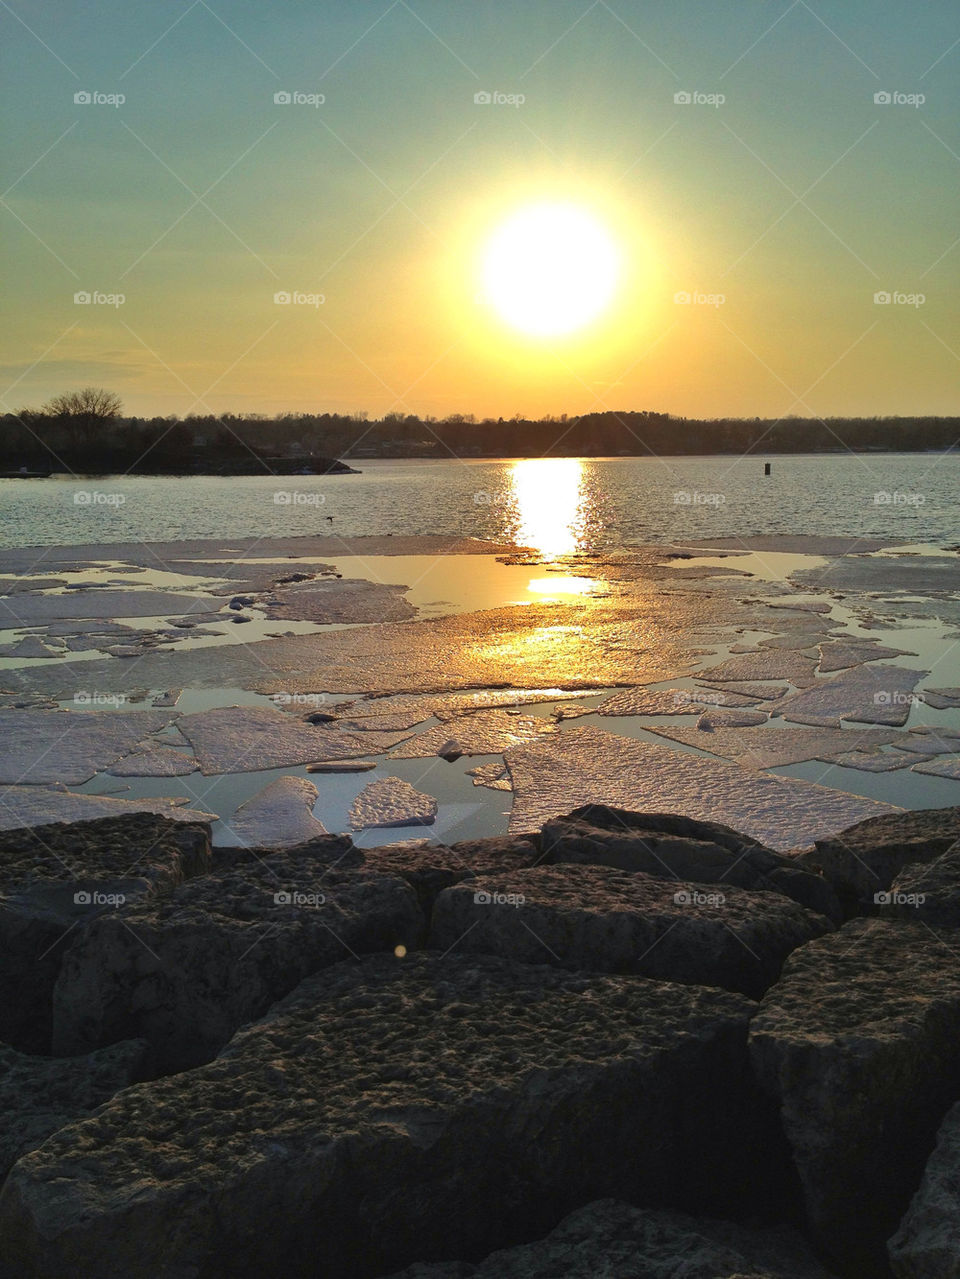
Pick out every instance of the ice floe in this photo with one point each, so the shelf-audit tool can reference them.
(589, 765)
(945, 767)
(839, 656)
(40, 805)
(478, 733)
(390, 801)
(246, 739)
(153, 760)
(40, 746)
(866, 694)
(280, 813)
(494, 776)
(668, 701)
(769, 746)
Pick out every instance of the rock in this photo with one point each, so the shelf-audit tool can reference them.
(393, 1109)
(864, 859)
(617, 1241)
(859, 1042)
(450, 750)
(184, 974)
(926, 1245)
(430, 868)
(56, 881)
(926, 892)
(598, 919)
(668, 845)
(38, 1095)
(390, 801)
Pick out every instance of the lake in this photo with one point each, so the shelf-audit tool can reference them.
(559, 505)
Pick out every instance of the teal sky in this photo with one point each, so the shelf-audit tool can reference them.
(199, 198)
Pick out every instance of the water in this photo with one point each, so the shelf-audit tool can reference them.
(559, 505)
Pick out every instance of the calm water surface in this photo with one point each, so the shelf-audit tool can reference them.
(558, 505)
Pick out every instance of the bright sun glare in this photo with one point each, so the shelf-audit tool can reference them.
(550, 269)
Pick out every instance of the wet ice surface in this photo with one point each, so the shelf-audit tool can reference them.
(281, 813)
(494, 659)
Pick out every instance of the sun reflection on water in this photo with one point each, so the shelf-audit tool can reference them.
(549, 497)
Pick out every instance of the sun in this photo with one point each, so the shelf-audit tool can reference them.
(550, 269)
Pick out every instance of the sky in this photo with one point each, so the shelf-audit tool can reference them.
(769, 172)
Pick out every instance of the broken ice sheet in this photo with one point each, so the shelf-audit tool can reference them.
(668, 701)
(723, 717)
(479, 733)
(152, 759)
(589, 765)
(749, 694)
(871, 761)
(840, 656)
(865, 694)
(770, 663)
(494, 776)
(390, 801)
(246, 739)
(342, 600)
(942, 698)
(769, 746)
(40, 805)
(41, 746)
(28, 610)
(948, 766)
(281, 813)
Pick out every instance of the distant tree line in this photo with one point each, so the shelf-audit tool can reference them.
(87, 432)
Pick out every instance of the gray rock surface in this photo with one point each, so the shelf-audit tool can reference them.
(614, 1240)
(432, 867)
(393, 1109)
(598, 919)
(865, 859)
(927, 1244)
(57, 881)
(668, 845)
(859, 1042)
(186, 972)
(39, 1095)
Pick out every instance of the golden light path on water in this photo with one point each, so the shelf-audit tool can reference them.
(548, 493)
(550, 500)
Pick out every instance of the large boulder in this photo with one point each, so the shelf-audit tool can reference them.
(599, 919)
(672, 846)
(56, 881)
(38, 1095)
(391, 1110)
(859, 1042)
(617, 1241)
(429, 868)
(927, 1245)
(186, 972)
(927, 892)
(864, 859)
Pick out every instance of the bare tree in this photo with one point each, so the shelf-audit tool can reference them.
(92, 404)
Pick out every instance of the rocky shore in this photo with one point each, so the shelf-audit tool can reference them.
(623, 1045)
